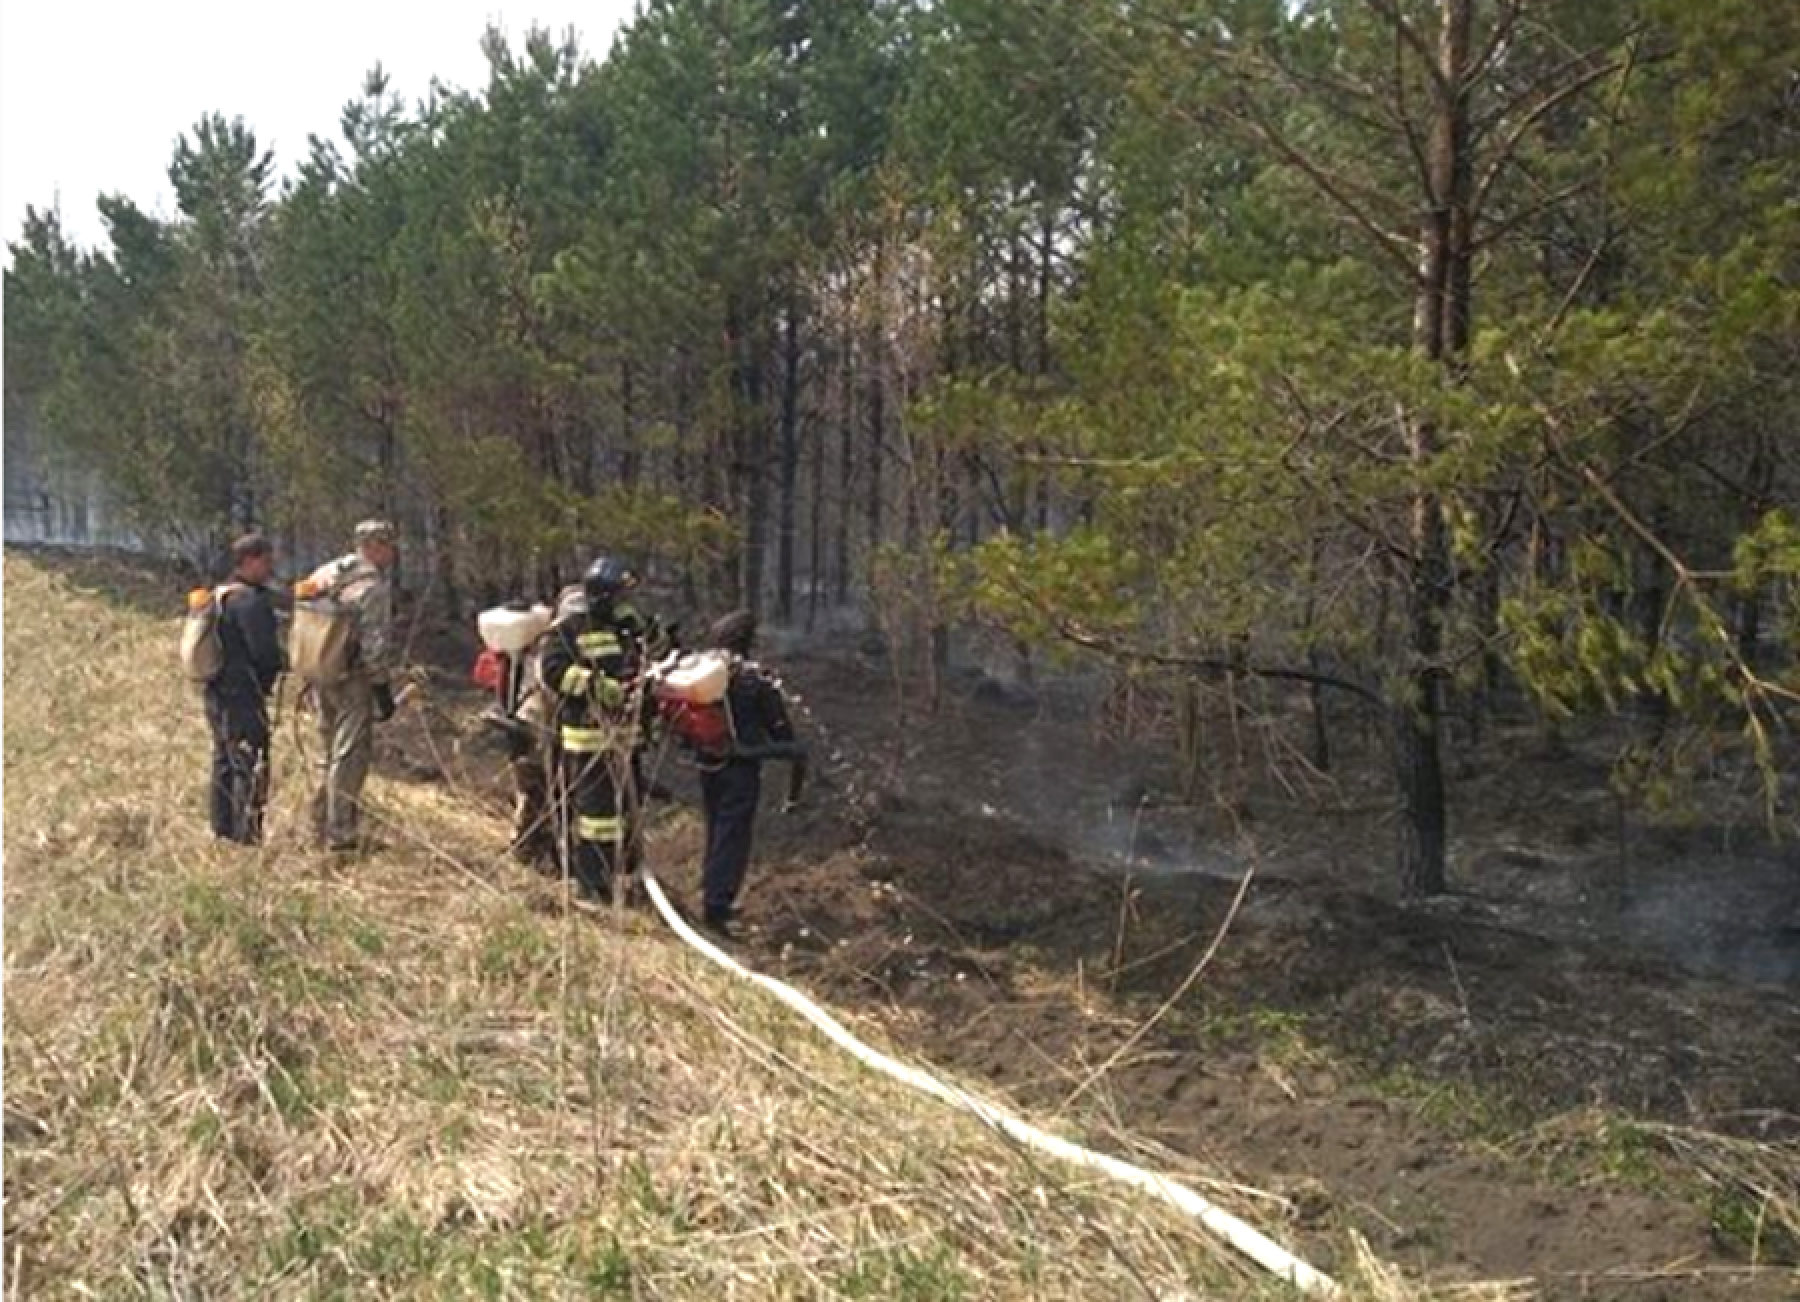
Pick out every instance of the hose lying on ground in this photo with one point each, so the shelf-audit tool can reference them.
(1253, 1244)
(1238, 1235)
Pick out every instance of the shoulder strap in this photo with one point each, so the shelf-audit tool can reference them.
(348, 573)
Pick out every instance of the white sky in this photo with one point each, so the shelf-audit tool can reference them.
(94, 94)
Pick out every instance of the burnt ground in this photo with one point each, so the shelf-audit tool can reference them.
(1480, 1086)
(1476, 1085)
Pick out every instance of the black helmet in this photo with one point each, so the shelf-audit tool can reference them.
(607, 579)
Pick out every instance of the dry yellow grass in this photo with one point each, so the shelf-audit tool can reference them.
(240, 1073)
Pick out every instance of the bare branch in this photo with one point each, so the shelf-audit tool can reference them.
(1500, 229)
(1067, 462)
(1545, 84)
(1567, 305)
(1756, 499)
(1334, 189)
(1405, 31)
(1403, 111)
(1338, 499)
(1336, 90)
(1509, 144)
(1510, 13)
(1688, 580)
(1118, 650)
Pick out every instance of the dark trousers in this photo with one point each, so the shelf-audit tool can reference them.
(240, 765)
(729, 794)
(597, 818)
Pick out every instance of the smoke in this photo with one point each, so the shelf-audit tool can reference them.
(1718, 915)
(1734, 916)
(1030, 754)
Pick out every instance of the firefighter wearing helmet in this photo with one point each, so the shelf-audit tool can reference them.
(591, 662)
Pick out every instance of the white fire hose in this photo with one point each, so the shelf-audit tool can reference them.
(703, 678)
(1252, 1243)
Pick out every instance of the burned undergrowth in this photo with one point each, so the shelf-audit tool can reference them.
(1453, 1081)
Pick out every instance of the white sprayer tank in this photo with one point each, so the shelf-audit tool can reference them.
(511, 632)
(698, 678)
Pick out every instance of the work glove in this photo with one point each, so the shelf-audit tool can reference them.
(607, 693)
(384, 703)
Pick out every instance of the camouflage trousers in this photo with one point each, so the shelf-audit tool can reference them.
(347, 746)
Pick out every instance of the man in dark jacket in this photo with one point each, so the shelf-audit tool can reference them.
(237, 698)
(731, 783)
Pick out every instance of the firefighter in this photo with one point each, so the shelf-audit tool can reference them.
(237, 697)
(731, 778)
(590, 665)
(349, 709)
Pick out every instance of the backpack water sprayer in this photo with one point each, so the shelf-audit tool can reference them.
(691, 692)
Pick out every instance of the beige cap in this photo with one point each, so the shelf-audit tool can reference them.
(376, 531)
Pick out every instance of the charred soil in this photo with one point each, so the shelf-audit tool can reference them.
(1480, 1085)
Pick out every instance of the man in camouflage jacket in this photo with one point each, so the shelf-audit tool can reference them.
(349, 710)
